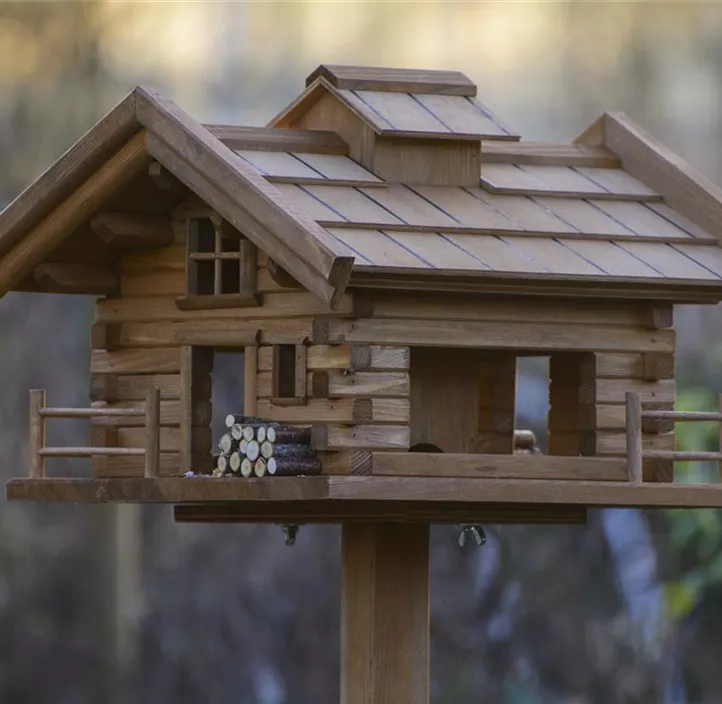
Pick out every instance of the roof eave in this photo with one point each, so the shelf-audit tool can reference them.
(552, 285)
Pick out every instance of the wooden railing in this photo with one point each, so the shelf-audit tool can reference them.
(635, 452)
(39, 412)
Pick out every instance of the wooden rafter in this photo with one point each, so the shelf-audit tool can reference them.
(39, 242)
(97, 279)
(130, 230)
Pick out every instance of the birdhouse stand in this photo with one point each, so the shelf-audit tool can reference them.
(381, 255)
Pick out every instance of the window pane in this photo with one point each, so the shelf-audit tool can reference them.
(206, 236)
(230, 275)
(204, 284)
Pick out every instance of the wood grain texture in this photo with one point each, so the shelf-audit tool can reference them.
(684, 189)
(36, 244)
(156, 308)
(93, 279)
(362, 358)
(360, 437)
(374, 512)
(129, 230)
(77, 165)
(385, 614)
(547, 154)
(247, 201)
(400, 80)
(432, 490)
(279, 140)
(499, 466)
(501, 335)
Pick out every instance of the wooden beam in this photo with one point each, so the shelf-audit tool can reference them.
(243, 197)
(98, 279)
(162, 180)
(501, 335)
(395, 80)
(424, 464)
(374, 512)
(436, 490)
(68, 173)
(485, 282)
(546, 154)
(385, 613)
(72, 212)
(130, 230)
(273, 139)
(360, 437)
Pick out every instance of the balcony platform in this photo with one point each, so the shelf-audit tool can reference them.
(330, 499)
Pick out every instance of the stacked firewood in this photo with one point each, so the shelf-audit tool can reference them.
(255, 447)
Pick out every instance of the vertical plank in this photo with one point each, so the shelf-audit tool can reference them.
(445, 398)
(385, 614)
(250, 380)
(247, 267)
(152, 433)
(496, 402)
(719, 436)
(634, 437)
(300, 372)
(36, 435)
(186, 407)
(217, 263)
(191, 248)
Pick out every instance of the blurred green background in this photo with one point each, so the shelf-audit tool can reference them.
(118, 605)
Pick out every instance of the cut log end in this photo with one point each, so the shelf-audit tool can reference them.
(259, 467)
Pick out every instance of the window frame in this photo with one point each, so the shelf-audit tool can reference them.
(246, 256)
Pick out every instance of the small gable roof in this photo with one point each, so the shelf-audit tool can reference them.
(145, 126)
(612, 214)
(403, 102)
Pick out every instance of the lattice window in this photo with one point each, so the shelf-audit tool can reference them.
(220, 266)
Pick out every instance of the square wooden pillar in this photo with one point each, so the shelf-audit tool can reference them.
(385, 614)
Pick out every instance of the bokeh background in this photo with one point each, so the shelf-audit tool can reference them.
(118, 604)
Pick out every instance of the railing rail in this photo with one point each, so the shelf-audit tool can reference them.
(39, 412)
(635, 452)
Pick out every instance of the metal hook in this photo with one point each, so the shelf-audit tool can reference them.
(474, 531)
(290, 531)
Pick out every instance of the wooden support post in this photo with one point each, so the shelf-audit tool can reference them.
(385, 614)
(152, 433)
(37, 435)
(719, 437)
(634, 437)
(250, 380)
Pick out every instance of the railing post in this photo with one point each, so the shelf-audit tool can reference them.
(634, 437)
(36, 434)
(152, 433)
(719, 436)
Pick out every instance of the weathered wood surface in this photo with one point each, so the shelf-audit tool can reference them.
(499, 466)
(500, 335)
(66, 174)
(213, 172)
(413, 489)
(273, 139)
(375, 511)
(50, 232)
(385, 613)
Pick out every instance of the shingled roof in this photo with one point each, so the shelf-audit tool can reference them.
(614, 213)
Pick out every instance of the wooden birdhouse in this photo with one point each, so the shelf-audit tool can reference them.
(378, 259)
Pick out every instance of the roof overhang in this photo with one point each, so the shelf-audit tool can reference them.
(145, 126)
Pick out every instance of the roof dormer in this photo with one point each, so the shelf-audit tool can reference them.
(411, 126)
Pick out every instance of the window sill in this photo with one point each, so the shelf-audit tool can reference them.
(225, 300)
(291, 401)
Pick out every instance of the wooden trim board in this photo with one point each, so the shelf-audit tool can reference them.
(430, 489)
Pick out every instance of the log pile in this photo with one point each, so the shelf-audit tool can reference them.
(255, 447)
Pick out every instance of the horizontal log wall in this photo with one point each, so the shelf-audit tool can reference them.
(137, 340)
(357, 401)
